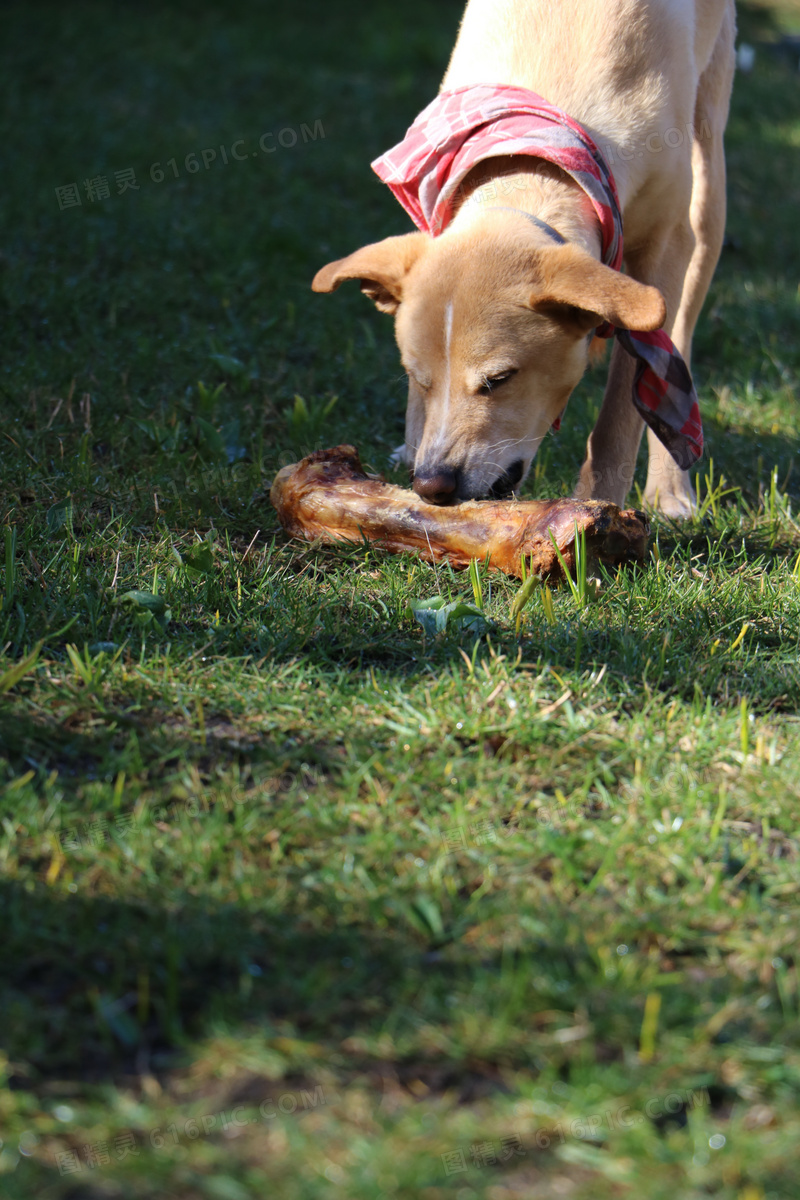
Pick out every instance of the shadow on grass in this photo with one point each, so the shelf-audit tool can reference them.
(102, 989)
(96, 987)
(155, 747)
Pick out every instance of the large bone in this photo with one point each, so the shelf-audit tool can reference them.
(328, 496)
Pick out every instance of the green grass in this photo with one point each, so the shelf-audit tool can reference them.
(267, 847)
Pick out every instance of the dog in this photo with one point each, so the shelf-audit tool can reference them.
(559, 125)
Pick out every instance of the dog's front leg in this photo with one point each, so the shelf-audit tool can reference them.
(611, 451)
(607, 473)
(668, 489)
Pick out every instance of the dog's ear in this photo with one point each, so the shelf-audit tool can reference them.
(575, 286)
(380, 268)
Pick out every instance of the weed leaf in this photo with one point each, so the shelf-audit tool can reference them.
(436, 616)
(200, 559)
(146, 600)
(60, 515)
(13, 675)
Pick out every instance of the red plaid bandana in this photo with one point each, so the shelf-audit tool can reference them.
(461, 128)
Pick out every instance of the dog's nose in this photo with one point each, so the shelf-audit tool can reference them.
(437, 485)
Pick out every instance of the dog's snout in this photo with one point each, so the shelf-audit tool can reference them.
(437, 484)
(508, 480)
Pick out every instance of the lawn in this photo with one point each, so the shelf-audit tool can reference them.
(299, 900)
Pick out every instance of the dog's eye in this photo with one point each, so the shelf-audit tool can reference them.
(424, 386)
(493, 381)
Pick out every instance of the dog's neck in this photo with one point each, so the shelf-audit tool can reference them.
(533, 186)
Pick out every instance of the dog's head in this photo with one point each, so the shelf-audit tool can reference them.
(494, 331)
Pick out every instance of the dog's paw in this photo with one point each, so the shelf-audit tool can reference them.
(678, 506)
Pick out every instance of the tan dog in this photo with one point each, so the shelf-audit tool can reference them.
(493, 318)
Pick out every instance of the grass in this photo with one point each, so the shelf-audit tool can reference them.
(300, 896)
